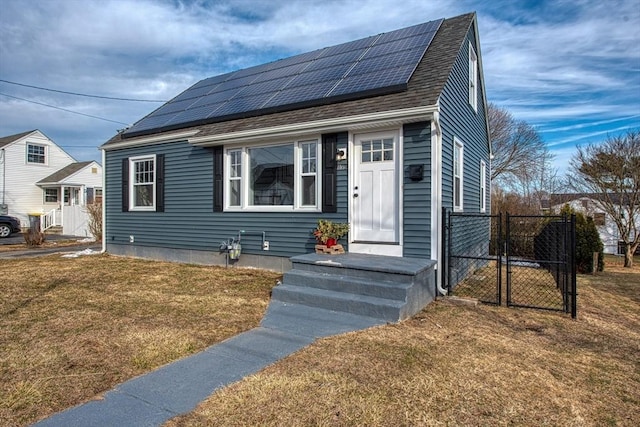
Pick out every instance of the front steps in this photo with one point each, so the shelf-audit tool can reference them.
(380, 287)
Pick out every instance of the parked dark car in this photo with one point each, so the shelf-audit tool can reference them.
(9, 225)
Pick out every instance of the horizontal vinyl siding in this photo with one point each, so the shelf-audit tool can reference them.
(458, 119)
(188, 221)
(417, 194)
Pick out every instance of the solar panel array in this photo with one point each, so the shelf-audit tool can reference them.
(377, 64)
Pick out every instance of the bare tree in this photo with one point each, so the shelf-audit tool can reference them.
(516, 145)
(611, 171)
(521, 161)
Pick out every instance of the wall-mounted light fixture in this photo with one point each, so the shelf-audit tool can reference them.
(341, 154)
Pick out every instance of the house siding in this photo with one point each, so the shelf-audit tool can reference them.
(458, 119)
(189, 222)
(417, 194)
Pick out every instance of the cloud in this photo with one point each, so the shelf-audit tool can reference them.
(556, 64)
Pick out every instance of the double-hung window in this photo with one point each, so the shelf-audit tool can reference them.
(51, 195)
(473, 78)
(458, 168)
(142, 183)
(273, 177)
(36, 154)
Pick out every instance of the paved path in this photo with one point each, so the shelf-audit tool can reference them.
(153, 398)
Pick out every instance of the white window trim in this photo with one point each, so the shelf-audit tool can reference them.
(458, 144)
(483, 186)
(297, 171)
(473, 78)
(46, 152)
(132, 161)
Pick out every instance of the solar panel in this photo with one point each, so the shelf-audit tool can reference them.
(376, 64)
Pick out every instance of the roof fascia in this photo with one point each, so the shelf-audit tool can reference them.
(154, 139)
(474, 24)
(363, 121)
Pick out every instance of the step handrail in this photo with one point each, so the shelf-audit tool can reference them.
(48, 220)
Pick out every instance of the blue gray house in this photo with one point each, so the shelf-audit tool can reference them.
(380, 132)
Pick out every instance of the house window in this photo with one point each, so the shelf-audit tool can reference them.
(51, 195)
(36, 154)
(457, 174)
(377, 150)
(273, 177)
(473, 78)
(483, 186)
(142, 183)
(235, 178)
(309, 171)
(599, 218)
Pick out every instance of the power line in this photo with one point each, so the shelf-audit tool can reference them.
(64, 109)
(80, 94)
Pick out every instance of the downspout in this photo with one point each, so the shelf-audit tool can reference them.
(104, 198)
(437, 185)
(4, 175)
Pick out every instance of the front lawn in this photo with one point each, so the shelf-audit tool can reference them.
(72, 328)
(459, 365)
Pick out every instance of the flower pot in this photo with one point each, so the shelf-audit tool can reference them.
(331, 242)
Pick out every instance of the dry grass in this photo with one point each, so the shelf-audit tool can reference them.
(73, 328)
(47, 244)
(459, 365)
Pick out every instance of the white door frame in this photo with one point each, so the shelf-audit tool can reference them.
(377, 248)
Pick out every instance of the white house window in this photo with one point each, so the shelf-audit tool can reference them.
(235, 178)
(483, 186)
(142, 183)
(308, 175)
(473, 78)
(458, 182)
(51, 195)
(273, 177)
(36, 154)
(377, 150)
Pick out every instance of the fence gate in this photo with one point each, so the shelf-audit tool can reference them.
(471, 250)
(533, 255)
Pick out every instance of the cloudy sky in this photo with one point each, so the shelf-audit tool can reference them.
(571, 68)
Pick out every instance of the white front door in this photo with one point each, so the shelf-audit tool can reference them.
(375, 207)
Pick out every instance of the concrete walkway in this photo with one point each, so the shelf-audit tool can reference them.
(153, 398)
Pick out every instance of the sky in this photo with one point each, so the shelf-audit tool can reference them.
(570, 68)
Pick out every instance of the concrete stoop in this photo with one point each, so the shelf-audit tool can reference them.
(379, 287)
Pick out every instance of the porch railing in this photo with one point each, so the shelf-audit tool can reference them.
(48, 220)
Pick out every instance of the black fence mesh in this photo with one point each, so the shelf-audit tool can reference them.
(534, 254)
(474, 264)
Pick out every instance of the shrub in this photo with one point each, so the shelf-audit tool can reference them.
(95, 220)
(587, 242)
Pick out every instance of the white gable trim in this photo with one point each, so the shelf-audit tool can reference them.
(154, 139)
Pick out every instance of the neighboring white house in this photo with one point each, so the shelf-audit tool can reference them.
(37, 176)
(589, 205)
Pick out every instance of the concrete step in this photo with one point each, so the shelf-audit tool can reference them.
(374, 268)
(345, 283)
(363, 305)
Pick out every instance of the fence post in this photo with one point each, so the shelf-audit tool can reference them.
(574, 286)
(499, 253)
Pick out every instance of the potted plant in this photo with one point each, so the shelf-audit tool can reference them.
(328, 232)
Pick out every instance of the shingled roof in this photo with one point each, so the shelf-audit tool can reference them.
(64, 173)
(6, 140)
(423, 89)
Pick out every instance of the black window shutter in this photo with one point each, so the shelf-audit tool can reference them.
(218, 179)
(160, 183)
(125, 185)
(329, 173)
